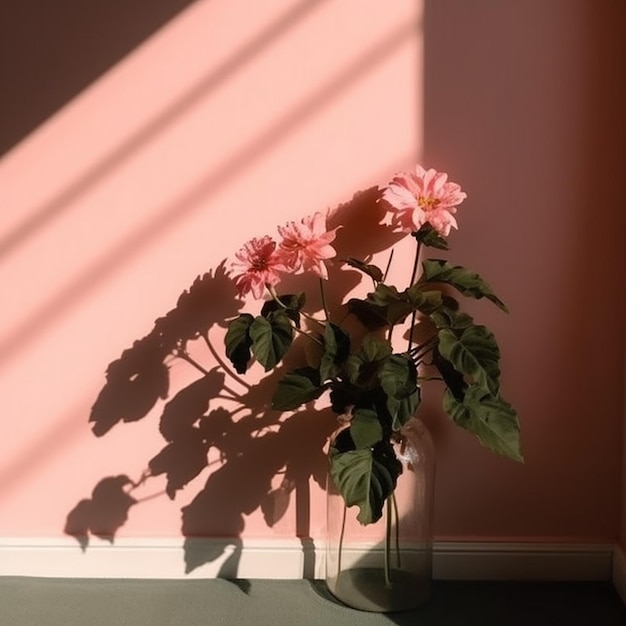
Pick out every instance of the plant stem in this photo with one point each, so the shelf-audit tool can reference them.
(429, 344)
(387, 543)
(223, 365)
(324, 305)
(312, 319)
(284, 306)
(311, 337)
(420, 352)
(416, 263)
(418, 251)
(341, 536)
(388, 266)
(397, 527)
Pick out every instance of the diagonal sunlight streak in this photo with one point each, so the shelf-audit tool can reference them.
(189, 202)
(72, 47)
(47, 445)
(141, 138)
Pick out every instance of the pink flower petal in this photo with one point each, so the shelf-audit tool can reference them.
(423, 197)
(306, 245)
(257, 265)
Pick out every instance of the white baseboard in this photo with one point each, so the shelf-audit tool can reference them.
(294, 558)
(619, 572)
(522, 561)
(152, 558)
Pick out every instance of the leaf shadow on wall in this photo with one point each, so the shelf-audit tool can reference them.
(210, 426)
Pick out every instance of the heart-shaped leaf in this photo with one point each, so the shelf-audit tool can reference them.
(362, 368)
(465, 281)
(366, 478)
(238, 342)
(297, 388)
(490, 418)
(336, 351)
(271, 338)
(398, 376)
(473, 353)
(402, 410)
(395, 304)
(370, 315)
(424, 300)
(291, 305)
(365, 428)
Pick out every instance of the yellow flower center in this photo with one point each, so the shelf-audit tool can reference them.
(428, 203)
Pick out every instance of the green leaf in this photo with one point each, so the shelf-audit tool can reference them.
(362, 367)
(374, 349)
(465, 281)
(271, 338)
(366, 478)
(430, 237)
(238, 342)
(453, 379)
(293, 302)
(448, 316)
(343, 396)
(365, 428)
(370, 315)
(296, 388)
(398, 376)
(374, 272)
(402, 410)
(396, 305)
(426, 301)
(336, 351)
(473, 353)
(489, 417)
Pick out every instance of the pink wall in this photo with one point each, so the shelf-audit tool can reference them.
(170, 160)
(526, 104)
(213, 130)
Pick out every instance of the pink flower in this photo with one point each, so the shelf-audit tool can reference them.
(423, 197)
(257, 265)
(306, 245)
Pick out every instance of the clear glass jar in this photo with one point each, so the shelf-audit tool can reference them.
(387, 565)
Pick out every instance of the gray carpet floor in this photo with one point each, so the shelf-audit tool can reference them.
(88, 602)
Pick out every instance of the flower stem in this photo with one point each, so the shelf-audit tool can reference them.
(419, 352)
(416, 263)
(280, 303)
(388, 266)
(309, 335)
(397, 527)
(223, 365)
(324, 306)
(387, 543)
(418, 251)
(341, 536)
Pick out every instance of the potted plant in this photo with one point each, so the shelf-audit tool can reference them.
(374, 378)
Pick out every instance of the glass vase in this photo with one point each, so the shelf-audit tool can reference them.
(386, 566)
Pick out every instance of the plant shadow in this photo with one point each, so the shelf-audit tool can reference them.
(219, 424)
